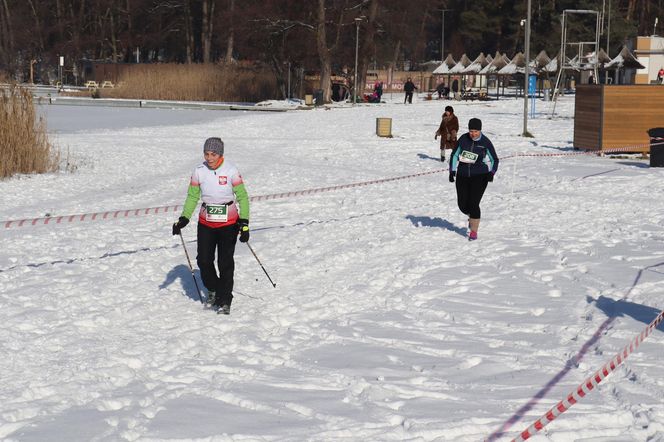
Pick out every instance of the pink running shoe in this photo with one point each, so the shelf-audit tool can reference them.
(472, 236)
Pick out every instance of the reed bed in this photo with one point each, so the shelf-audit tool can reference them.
(197, 82)
(24, 144)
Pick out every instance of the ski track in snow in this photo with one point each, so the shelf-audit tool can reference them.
(386, 323)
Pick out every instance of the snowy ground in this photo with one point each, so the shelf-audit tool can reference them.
(386, 323)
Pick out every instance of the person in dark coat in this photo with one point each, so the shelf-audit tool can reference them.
(455, 89)
(447, 131)
(474, 162)
(409, 87)
(378, 89)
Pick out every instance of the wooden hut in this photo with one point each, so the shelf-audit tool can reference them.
(608, 117)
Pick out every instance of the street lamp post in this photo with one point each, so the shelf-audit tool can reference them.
(442, 35)
(526, 76)
(357, 40)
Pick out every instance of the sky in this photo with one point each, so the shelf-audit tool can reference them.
(386, 323)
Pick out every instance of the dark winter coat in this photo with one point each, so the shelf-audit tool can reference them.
(409, 86)
(447, 131)
(486, 160)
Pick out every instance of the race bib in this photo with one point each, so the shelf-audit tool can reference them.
(468, 157)
(216, 213)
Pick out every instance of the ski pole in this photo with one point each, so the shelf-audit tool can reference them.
(259, 263)
(200, 298)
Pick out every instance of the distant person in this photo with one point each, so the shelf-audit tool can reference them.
(378, 90)
(591, 79)
(219, 184)
(336, 92)
(442, 90)
(409, 87)
(474, 162)
(660, 76)
(447, 131)
(455, 89)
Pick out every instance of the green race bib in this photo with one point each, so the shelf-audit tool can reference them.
(216, 213)
(468, 157)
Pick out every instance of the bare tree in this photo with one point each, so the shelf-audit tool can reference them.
(231, 33)
(207, 28)
(368, 45)
(323, 52)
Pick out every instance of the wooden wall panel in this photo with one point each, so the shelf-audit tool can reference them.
(587, 117)
(612, 116)
(629, 111)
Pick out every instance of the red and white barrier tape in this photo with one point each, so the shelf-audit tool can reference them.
(154, 210)
(589, 384)
(587, 152)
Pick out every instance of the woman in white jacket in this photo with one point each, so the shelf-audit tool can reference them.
(218, 183)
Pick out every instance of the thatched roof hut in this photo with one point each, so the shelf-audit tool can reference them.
(498, 62)
(517, 65)
(476, 66)
(463, 63)
(624, 60)
(445, 66)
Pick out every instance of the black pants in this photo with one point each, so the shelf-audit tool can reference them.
(469, 194)
(221, 239)
(408, 98)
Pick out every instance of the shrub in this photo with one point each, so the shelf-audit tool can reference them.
(24, 146)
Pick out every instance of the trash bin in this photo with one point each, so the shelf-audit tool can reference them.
(656, 146)
(309, 100)
(384, 127)
(318, 97)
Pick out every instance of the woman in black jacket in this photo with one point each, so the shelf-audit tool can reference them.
(474, 162)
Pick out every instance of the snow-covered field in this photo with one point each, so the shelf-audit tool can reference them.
(386, 324)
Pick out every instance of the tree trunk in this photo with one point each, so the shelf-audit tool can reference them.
(59, 17)
(323, 53)
(38, 26)
(188, 33)
(392, 66)
(114, 40)
(231, 34)
(630, 9)
(368, 45)
(8, 29)
(206, 31)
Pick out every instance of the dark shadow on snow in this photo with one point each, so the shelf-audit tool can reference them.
(427, 221)
(427, 157)
(613, 309)
(622, 308)
(643, 165)
(183, 274)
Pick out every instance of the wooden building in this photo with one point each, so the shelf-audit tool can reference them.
(608, 117)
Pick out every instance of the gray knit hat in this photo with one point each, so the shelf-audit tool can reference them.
(215, 145)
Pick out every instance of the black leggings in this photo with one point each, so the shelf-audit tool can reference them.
(469, 194)
(222, 239)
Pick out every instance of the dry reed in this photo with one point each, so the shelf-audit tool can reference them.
(197, 82)
(24, 145)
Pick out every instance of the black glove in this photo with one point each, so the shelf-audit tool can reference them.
(182, 222)
(489, 176)
(244, 229)
(452, 174)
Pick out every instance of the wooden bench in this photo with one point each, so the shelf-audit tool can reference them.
(92, 84)
(107, 83)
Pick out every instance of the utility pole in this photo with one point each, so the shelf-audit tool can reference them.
(357, 41)
(526, 73)
(442, 35)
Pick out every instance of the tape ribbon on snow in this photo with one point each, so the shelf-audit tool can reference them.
(589, 384)
(163, 209)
